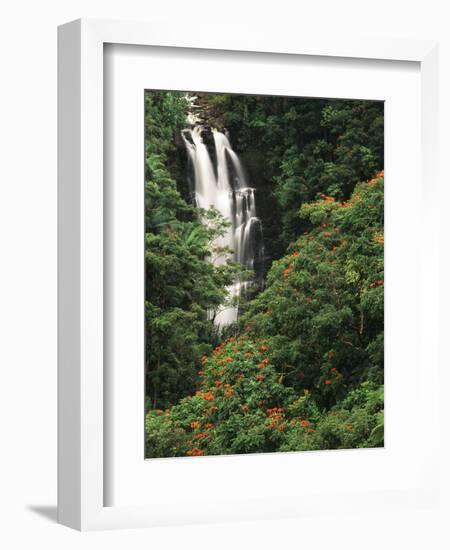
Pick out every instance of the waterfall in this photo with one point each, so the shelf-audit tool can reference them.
(220, 182)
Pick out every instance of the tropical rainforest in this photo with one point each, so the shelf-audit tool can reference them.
(301, 365)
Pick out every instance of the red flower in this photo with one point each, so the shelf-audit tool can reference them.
(195, 424)
(334, 369)
(218, 383)
(304, 423)
(229, 393)
(261, 365)
(260, 377)
(195, 452)
(310, 430)
(263, 347)
(245, 408)
(327, 382)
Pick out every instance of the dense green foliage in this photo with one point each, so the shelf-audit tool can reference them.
(242, 406)
(180, 285)
(323, 305)
(304, 146)
(304, 368)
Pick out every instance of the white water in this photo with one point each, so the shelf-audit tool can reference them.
(226, 189)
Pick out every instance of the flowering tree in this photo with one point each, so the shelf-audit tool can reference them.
(322, 310)
(242, 406)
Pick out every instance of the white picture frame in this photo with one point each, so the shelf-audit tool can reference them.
(81, 464)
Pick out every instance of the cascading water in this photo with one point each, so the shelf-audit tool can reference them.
(223, 185)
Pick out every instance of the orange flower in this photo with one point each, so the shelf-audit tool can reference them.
(260, 377)
(247, 354)
(263, 347)
(327, 382)
(229, 393)
(261, 365)
(195, 451)
(310, 430)
(379, 238)
(304, 423)
(195, 425)
(208, 396)
(334, 369)
(218, 383)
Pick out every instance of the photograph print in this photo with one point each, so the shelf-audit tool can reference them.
(264, 274)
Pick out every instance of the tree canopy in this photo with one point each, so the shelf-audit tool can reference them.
(302, 368)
